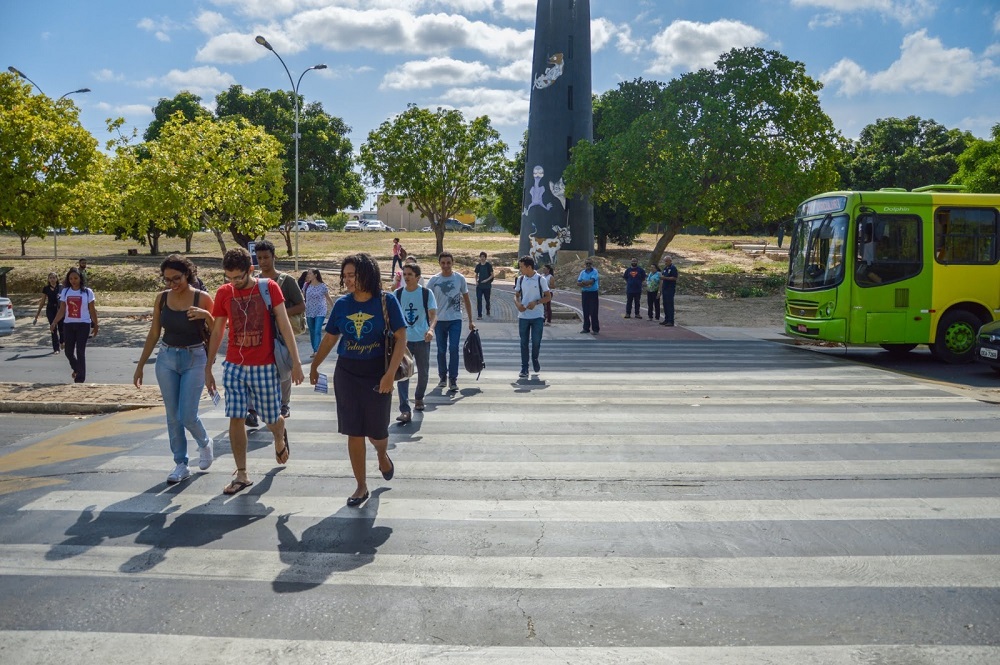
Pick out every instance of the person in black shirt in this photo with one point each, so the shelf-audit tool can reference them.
(668, 286)
(484, 284)
(50, 300)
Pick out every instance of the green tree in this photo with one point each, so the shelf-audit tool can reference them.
(435, 162)
(186, 103)
(327, 179)
(979, 165)
(46, 154)
(507, 199)
(908, 153)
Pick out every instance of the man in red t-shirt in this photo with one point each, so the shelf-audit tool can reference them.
(249, 369)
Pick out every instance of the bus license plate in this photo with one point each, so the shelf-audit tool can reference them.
(988, 353)
(802, 328)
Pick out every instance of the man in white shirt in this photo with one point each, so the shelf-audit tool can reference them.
(530, 295)
(451, 291)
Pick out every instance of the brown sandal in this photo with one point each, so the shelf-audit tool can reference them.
(236, 486)
(285, 452)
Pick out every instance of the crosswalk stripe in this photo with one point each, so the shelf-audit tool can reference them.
(485, 572)
(610, 470)
(638, 511)
(121, 649)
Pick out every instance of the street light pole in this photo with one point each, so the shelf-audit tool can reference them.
(295, 98)
(18, 72)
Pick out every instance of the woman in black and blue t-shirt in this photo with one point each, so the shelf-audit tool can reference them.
(50, 301)
(363, 381)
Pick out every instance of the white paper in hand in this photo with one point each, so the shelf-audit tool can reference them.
(321, 385)
(216, 398)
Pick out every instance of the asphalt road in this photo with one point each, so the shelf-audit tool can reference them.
(703, 501)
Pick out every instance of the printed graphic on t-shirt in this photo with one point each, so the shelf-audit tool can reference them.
(362, 323)
(450, 304)
(249, 315)
(74, 306)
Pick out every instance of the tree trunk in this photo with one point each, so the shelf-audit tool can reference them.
(187, 243)
(154, 243)
(222, 242)
(241, 238)
(24, 241)
(602, 243)
(438, 237)
(286, 233)
(663, 241)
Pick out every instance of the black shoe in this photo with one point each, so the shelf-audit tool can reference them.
(251, 419)
(535, 366)
(670, 325)
(285, 411)
(584, 332)
(392, 470)
(628, 316)
(357, 500)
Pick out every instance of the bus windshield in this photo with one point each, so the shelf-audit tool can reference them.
(817, 252)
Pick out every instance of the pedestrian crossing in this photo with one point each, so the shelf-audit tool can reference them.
(700, 502)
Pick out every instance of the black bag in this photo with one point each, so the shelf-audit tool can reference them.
(472, 353)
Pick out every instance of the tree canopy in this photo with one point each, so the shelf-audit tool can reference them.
(903, 152)
(735, 148)
(46, 154)
(434, 161)
(979, 165)
(327, 179)
(186, 103)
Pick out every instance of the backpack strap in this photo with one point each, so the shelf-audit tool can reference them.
(424, 291)
(265, 292)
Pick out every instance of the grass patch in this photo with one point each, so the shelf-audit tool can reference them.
(728, 269)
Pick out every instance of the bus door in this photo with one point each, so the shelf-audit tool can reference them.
(889, 286)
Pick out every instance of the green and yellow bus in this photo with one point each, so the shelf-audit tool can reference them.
(896, 269)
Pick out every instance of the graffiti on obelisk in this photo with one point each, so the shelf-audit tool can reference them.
(560, 114)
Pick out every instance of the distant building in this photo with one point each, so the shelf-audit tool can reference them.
(394, 214)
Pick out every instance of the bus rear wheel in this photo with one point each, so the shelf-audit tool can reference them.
(898, 349)
(956, 337)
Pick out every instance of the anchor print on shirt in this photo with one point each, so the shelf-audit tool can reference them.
(411, 315)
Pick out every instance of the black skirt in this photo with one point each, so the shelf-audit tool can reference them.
(361, 410)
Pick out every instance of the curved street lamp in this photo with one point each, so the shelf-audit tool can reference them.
(295, 97)
(73, 92)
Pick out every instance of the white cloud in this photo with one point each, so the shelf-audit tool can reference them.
(521, 10)
(825, 21)
(904, 11)
(211, 22)
(504, 107)
(996, 22)
(236, 47)
(433, 72)
(205, 82)
(981, 125)
(126, 109)
(601, 32)
(159, 27)
(107, 75)
(688, 45)
(924, 65)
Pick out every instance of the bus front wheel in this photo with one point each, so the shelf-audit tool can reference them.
(956, 337)
(898, 349)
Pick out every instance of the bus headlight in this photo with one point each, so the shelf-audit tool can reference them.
(828, 310)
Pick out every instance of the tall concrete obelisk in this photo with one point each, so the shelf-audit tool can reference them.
(560, 114)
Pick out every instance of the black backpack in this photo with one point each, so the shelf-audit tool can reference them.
(472, 353)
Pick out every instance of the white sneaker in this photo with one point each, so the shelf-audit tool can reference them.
(179, 473)
(206, 455)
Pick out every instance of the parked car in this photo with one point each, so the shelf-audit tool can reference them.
(988, 345)
(455, 225)
(6, 317)
(376, 225)
(320, 225)
(427, 229)
(353, 225)
(302, 225)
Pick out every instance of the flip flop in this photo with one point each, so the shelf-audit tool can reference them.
(392, 469)
(285, 452)
(236, 486)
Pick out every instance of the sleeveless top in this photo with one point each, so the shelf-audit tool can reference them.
(178, 329)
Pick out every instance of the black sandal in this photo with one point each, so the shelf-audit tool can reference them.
(285, 452)
(236, 486)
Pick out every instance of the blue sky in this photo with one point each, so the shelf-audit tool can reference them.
(877, 58)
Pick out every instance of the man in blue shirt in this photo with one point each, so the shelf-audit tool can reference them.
(589, 283)
(420, 315)
(634, 277)
(668, 285)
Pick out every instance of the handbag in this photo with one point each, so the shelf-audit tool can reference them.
(407, 364)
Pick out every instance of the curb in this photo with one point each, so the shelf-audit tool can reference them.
(69, 408)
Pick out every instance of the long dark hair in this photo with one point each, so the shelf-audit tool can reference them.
(366, 273)
(181, 264)
(83, 280)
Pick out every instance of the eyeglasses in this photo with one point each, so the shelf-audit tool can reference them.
(237, 278)
(173, 280)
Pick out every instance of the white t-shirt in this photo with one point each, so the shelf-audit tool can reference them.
(532, 288)
(448, 293)
(77, 310)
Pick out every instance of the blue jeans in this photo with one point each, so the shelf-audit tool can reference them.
(534, 328)
(181, 375)
(448, 335)
(315, 325)
(422, 358)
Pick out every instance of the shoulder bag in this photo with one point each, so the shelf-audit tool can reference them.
(407, 364)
